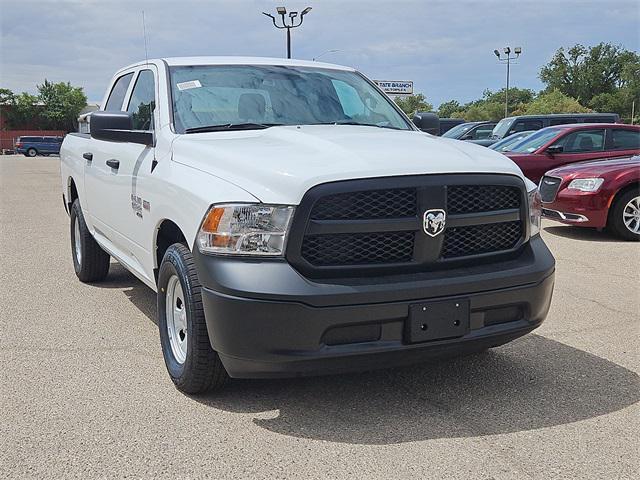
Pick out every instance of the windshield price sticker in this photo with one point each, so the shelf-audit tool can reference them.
(187, 85)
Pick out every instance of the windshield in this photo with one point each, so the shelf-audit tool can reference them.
(260, 96)
(501, 129)
(535, 140)
(506, 144)
(458, 130)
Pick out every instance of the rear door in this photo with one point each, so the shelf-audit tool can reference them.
(622, 142)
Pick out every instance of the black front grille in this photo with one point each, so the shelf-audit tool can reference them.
(378, 223)
(549, 188)
(359, 248)
(388, 203)
(481, 198)
(479, 239)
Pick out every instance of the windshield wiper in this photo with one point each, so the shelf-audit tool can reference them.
(352, 122)
(230, 126)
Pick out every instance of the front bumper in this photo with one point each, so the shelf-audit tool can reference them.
(267, 320)
(585, 209)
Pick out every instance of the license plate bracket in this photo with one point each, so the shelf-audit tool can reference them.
(437, 320)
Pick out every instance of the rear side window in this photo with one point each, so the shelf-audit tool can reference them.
(583, 141)
(119, 90)
(143, 101)
(625, 139)
(483, 131)
(599, 120)
(29, 139)
(562, 121)
(523, 125)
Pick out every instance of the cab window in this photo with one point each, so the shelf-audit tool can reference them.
(523, 125)
(118, 92)
(583, 141)
(143, 101)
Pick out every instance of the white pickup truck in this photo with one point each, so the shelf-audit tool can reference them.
(293, 221)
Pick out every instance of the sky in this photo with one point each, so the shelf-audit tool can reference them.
(444, 47)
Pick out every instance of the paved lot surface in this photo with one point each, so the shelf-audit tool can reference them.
(84, 392)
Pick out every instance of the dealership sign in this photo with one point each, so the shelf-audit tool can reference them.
(396, 87)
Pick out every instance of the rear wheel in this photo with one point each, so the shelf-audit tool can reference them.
(194, 367)
(32, 152)
(90, 262)
(624, 218)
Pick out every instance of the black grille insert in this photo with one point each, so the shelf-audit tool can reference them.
(549, 188)
(481, 198)
(375, 226)
(358, 249)
(478, 239)
(371, 204)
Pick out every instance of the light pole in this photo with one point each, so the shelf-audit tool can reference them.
(507, 59)
(293, 23)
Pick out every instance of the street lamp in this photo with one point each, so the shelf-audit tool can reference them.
(507, 59)
(293, 23)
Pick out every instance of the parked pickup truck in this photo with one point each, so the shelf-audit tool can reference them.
(293, 221)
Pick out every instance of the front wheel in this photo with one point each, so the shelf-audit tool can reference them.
(194, 367)
(624, 218)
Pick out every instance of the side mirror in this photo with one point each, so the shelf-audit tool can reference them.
(427, 122)
(118, 127)
(553, 149)
(468, 136)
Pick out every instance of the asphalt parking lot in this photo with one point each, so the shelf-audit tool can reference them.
(84, 392)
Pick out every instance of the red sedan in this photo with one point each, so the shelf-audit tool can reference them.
(553, 147)
(604, 193)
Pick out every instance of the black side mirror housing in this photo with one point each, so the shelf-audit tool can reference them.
(427, 122)
(117, 127)
(553, 149)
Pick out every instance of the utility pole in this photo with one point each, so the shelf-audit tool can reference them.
(507, 59)
(292, 23)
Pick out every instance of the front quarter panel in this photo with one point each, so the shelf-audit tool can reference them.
(183, 195)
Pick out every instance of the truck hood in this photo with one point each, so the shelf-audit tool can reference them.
(279, 164)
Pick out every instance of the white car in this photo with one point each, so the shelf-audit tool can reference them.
(294, 221)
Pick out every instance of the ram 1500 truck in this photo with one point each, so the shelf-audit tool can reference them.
(293, 221)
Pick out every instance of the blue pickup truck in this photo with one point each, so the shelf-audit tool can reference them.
(32, 146)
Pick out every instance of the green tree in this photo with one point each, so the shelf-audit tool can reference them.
(553, 102)
(61, 104)
(413, 103)
(447, 109)
(21, 111)
(584, 72)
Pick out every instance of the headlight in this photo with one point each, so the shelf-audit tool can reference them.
(252, 229)
(586, 184)
(535, 211)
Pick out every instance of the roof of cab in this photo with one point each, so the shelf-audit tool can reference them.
(222, 60)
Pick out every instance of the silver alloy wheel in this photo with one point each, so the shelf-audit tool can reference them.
(176, 312)
(77, 244)
(631, 215)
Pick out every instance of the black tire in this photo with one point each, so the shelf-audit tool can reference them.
(616, 221)
(32, 152)
(201, 371)
(93, 264)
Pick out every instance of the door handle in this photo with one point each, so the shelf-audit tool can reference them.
(88, 156)
(113, 163)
